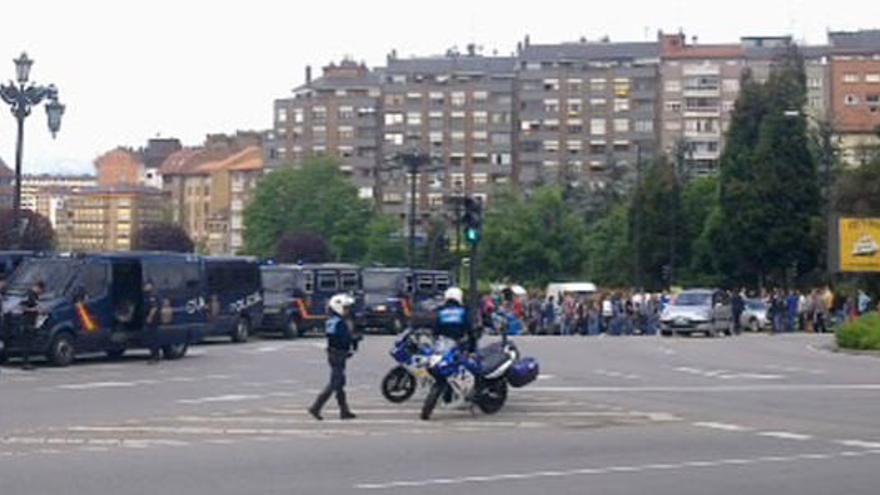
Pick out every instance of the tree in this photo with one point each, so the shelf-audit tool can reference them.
(532, 240)
(769, 194)
(315, 198)
(384, 243)
(656, 211)
(37, 235)
(302, 247)
(608, 251)
(699, 199)
(857, 190)
(163, 237)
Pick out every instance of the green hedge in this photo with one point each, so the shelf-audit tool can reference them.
(862, 334)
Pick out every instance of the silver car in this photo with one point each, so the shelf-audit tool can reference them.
(705, 311)
(754, 315)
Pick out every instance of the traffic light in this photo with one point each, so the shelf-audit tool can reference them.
(473, 221)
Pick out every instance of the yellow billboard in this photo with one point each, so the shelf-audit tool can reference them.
(859, 244)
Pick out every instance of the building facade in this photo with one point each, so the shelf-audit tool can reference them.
(108, 218)
(855, 92)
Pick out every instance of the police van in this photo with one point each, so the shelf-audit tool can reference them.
(9, 261)
(95, 303)
(296, 296)
(233, 302)
(397, 297)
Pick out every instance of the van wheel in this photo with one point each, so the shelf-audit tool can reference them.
(175, 351)
(61, 350)
(116, 353)
(242, 331)
(291, 329)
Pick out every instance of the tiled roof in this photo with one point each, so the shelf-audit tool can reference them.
(187, 161)
(591, 51)
(855, 41)
(369, 80)
(457, 64)
(706, 51)
(250, 158)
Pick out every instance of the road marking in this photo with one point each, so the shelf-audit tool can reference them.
(97, 385)
(785, 435)
(859, 444)
(220, 398)
(610, 470)
(867, 387)
(720, 426)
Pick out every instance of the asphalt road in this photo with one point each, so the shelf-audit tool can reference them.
(750, 415)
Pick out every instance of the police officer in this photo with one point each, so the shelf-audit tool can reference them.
(341, 344)
(151, 321)
(30, 312)
(453, 320)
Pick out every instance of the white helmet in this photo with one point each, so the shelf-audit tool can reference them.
(454, 294)
(339, 303)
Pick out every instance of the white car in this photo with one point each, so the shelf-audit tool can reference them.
(754, 315)
(703, 311)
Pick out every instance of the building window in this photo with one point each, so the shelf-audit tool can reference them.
(457, 136)
(298, 115)
(575, 107)
(481, 118)
(346, 113)
(872, 78)
(459, 99)
(621, 105)
(621, 125)
(814, 83)
(394, 138)
(282, 115)
(598, 85)
(393, 118)
(597, 127)
(346, 132)
(551, 84)
(574, 147)
(644, 126)
(481, 95)
(673, 106)
(672, 125)
(551, 145)
(621, 88)
(598, 102)
(551, 106)
(574, 86)
(851, 100)
(872, 100)
(414, 118)
(730, 85)
(500, 139)
(850, 77)
(673, 86)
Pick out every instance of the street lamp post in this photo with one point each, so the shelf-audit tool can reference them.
(22, 96)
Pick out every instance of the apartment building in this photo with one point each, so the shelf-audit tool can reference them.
(587, 112)
(47, 194)
(233, 182)
(337, 115)
(7, 183)
(107, 218)
(135, 166)
(855, 92)
(457, 108)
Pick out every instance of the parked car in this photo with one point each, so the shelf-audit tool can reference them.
(95, 303)
(233, 297)
(706, 311)
(754, 316)
(296, 296)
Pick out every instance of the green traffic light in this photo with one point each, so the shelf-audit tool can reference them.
(472, 235)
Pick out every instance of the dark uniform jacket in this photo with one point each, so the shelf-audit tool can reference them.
(453, 321)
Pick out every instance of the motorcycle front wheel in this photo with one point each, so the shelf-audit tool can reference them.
(398, 385)
(431, 400)
(492, 396)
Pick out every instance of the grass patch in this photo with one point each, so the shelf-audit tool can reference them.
(862, 334)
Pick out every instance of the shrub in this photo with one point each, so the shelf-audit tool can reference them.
(861, 334)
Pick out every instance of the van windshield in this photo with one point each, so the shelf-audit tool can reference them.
(278, 281)
(382, 281)
(55, 273)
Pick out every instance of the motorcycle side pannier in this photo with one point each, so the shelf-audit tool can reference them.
(523, 372)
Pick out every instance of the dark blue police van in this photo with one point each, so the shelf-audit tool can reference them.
(234, 297)
(397, 297)
(95, 303)
(296, 296)
(9, 261)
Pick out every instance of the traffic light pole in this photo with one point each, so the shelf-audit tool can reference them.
(473, 290)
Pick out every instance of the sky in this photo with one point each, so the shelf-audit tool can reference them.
(131, 70)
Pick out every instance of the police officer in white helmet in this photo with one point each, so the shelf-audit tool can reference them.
(341, 344)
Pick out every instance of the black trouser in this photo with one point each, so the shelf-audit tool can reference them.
(737, 323)
(336, 359)
(151, 335)
(26, 341)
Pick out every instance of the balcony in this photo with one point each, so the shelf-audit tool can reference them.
(696, 112)
(701, 70)
(702, 92)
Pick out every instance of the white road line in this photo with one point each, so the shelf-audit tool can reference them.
(611, 470)
(862, 444)
(785, 435)
(720, 426)
(867, 387)
(96, 385)
(221, 398)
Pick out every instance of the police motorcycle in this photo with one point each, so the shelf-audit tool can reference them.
(411, 351)
(466, 380)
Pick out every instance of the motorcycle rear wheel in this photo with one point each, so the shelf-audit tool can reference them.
(492, 396)
(398, 385)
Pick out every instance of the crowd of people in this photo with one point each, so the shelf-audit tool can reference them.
(628, 312)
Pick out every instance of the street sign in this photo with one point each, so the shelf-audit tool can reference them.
(859, 245)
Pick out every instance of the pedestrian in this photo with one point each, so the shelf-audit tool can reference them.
(341, 344)
(864, 302)
(737, 306)
(607, 313)
(820, 313)
(153, 318)
(30, 314)
(792, 306)
(547, 315)
(778, 309)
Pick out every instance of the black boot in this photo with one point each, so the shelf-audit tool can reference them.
(344, 411)
(322, 398)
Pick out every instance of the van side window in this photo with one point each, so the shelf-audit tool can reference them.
(327, 281)
(349, 281)
(442, 283)
(426, 283)
(167, 275)
(94, 279)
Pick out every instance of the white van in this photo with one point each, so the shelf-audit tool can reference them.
(575, 288)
